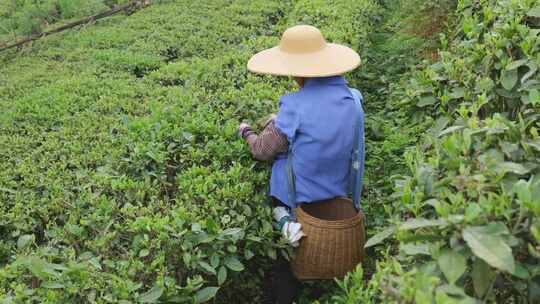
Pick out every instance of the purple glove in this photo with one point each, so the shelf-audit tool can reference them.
(243, 129)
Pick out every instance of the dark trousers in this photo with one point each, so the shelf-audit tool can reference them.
(281, 286)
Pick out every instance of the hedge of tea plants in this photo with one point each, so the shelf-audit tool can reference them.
(465, 223)
(122, 178)
(20, 18)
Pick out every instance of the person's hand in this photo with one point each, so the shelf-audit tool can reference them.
(292, 232)
(242, 128)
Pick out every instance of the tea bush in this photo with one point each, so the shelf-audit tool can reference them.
(464, 227)
(122, 178)
(29, 17)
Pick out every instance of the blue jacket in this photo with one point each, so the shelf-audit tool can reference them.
(319, 121)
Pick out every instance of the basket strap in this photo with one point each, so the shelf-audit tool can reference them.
(290, 180)
(358, 153)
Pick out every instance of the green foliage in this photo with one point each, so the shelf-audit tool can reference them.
(122, 178)
(464, 222)
(27, 17)
(77, 8)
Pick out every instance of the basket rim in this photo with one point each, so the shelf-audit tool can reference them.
(336, 224)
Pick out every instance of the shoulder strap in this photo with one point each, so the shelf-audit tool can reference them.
(358, 153)
(290, 178)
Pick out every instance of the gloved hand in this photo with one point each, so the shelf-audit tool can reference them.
(242, 128)
(292, 231)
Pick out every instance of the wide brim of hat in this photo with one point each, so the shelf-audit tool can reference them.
(333, 59)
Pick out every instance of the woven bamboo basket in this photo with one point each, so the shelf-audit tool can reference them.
(334, 241)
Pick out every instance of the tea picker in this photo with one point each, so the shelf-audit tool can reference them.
(316, 144)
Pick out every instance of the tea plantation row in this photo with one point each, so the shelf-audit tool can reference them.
(20, 18)
(464, 226)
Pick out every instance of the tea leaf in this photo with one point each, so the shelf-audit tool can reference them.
(233, 232)
(516, 64)
(205, 294)
(521, 272)
(490, 247)
(417, 223)
(521, 188)
(482, 277)
(222, 275)
(207, 267)
(414, 249)
(451, 130)
(534, 12)
(233, 263)
(143, 253)
(452, 264)
(513, 167)
(379, 237)
(214, 260)
(152, 295)
(427, 101)
(534, 144)
(509, 79)
(25, 240)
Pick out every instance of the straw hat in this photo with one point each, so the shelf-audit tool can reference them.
(303, 52)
